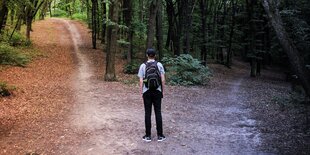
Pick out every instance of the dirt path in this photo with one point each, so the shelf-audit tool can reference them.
(108, 118)
(112, 114)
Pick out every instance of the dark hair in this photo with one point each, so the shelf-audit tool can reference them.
(151, 52)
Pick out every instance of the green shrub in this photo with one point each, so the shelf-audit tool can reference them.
(6, 90)
(11, 56)
(19, 40)
(132, 68)
(80, 16)
(185, 70)
(59, 13)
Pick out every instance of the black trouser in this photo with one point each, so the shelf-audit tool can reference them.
(149, 98)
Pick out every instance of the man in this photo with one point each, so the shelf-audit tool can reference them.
(152, 96)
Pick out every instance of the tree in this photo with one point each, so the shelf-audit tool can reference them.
(3, 14)
(159, 29)
(128, 13)
(151, 23)
(173, 35)
(103, 22)
(203, 48)
(31, 11)
(296, 61)
(231, 34)
(94, 22)
(111, 47)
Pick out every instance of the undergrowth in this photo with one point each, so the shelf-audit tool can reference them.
(80, 16)
(132, 68)
(16, 49)
(185, 70)
(5, 89)
(59, 13)
(12, 56)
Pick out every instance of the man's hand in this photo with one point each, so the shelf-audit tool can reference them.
(141, 86)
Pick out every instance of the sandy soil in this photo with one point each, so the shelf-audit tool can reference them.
(78, 113)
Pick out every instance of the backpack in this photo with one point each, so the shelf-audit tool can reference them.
(152, 75)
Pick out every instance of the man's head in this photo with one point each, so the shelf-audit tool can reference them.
(150, 52)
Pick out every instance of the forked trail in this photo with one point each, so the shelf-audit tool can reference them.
(108, 118)
(196, 120)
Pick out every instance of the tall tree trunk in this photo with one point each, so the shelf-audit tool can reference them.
(104, 19)
(89, 14)
(214, 29)
(112, 41)
(182, 7)
(188, 7)
(94, 23)
(203, 48)
(296, 61)
(43, 10)
(173, 35)
(151, 24)
(251, 35)
(31, 11)
(141, 10)
(231, 34)
(3, 14)
(28, 26)
(12, 14)
(50, 8)
(159, 29)
(97, 20)
(128, 19)
(223, 48)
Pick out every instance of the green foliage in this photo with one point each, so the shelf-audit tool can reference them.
(80, 16)
(11, 56)
(59, 13)
(132, 68)
(123, 43)
(139, 28)
(185, 70)
(6, 90)
(295, 18)
(19, 40)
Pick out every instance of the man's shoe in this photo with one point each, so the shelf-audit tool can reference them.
(161, 138)
(147, 138)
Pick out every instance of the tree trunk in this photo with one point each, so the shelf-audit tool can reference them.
(31, 11)
(173, 35)
(44, 10)
(141, 10)
(182, 7)
(3, 14)
(94, 23)
(28, 26)
(151, 24)
(89, 16)
(188, 8)
(253, 67)
(97, 20)
(112, 42)
(203, 48)
(12, 14)
(159, 29)
(296, 61)
(231, 34)
(104, 19)
(50, 8)
(128, 19)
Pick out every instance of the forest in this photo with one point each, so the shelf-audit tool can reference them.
(190, 37)
(261, 32)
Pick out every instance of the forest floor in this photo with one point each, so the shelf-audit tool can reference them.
(63, 106)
